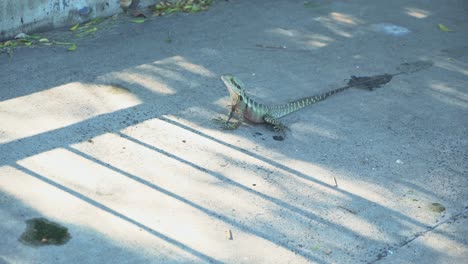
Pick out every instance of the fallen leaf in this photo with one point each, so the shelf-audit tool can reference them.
(43, 40)
(93, 21)
(72, 47)
(138, 21)
(444, 28)
(63, 43)
(86, 32)
(171, 10)
(27, 42)
(74, 27)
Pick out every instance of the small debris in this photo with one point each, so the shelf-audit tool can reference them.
(229, 234)
(328, 251)
(399, 161)
(347, 210)
(278, 138)
(316, 247)
(437, 207)
(336, 183)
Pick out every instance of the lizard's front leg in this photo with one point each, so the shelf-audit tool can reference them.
(240, 115)
(231, 126)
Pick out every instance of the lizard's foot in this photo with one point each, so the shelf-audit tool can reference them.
(231, 126)
(280, 128)
(226, 125)
(219, 120)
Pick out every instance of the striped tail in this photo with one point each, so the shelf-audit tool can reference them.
(285, 109)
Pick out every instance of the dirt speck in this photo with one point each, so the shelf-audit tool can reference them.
(436, 207)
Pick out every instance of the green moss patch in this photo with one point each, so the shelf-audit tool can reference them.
(42, 232)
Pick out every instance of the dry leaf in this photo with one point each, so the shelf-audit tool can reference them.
(74, 27)
(444, 28)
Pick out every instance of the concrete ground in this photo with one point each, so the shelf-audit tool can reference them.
(115, 141)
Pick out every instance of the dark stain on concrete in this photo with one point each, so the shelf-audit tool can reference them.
(42, 232)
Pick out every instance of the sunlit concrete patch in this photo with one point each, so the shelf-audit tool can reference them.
(344, 19)
(339, 23)
(159, 188)
(449, 94)
(452, 65)
(417, 12)
(185, 167)
(59, 107)
(444, 244)
(303, 130)
(145, 80)
(390, 29)
(183, 64)
(159, 76)
(310, 40)
(450, 90)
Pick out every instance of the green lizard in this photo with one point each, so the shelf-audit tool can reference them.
(247, 108)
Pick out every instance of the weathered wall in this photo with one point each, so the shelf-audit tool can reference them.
(35, 15)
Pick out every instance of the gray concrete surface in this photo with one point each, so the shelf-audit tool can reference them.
(116, 142)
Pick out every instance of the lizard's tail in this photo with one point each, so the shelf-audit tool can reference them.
(285, 109)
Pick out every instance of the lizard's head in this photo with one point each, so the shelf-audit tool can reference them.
(234, 86)
(233, 83)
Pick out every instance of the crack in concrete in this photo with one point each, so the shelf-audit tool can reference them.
(391, 250)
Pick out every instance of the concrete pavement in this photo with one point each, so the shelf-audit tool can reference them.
(115, 141)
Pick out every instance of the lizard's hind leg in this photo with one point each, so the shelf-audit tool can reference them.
(277, 125)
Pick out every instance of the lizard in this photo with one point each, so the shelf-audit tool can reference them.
(255, 112)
